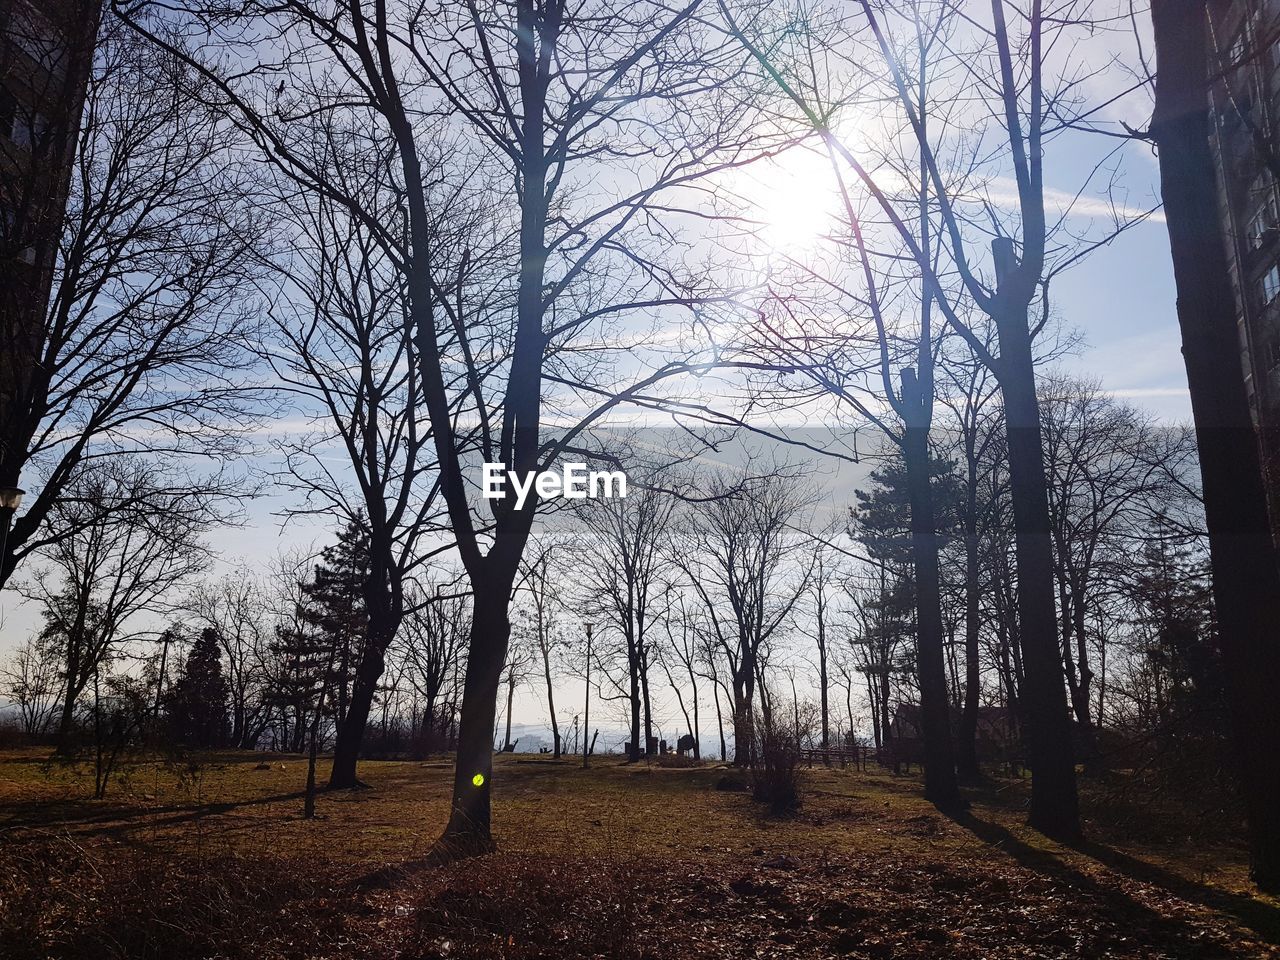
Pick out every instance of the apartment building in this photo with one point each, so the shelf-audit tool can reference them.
(1244, 56)
(46, 49)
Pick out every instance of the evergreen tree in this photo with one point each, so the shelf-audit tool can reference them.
(1174, 599)
(881, 519)
(335, 609)
(197, 704)
(324, 649)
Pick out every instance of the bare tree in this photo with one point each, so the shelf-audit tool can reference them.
(539, 584)
(432, 641)
(31, 683)
(621, 570)
(1024, 98)
(826, 575)
(1108, 473)
(141, 345)
(969, 394)
(552, 93)
(738, 549)
(681, 627)
(855, 364)
(340, 347)
(130, 543)
(519, 658)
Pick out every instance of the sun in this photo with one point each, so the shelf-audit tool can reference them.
(792, 199)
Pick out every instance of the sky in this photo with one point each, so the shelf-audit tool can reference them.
(1120, 299)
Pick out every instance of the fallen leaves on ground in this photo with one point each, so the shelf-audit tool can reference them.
(59, 900)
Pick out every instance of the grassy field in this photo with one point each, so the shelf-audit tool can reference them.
(212, 859)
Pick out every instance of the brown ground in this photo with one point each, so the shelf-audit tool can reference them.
(214, 861)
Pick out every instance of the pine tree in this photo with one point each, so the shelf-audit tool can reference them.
(335, 609)
(1172, 592)
(197, 704)
(881, 520)
(324, 649)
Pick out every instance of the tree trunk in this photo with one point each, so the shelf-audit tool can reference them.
(877, 733)
(696, 729)
(650, 748)
(67, 720)
(633, 754)
(551, 702)
(1055, 808)
(886, 723)
(822, 674)
(1080, 689)
(724, 747)
(743, 723)
(468, 830)
(383, 623)
(1246, 579)
(350, 732)
(967, 744)
(940, 786)
(507, 745)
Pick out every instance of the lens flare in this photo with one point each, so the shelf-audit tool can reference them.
(478, 780)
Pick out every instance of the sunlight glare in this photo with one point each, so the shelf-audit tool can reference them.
(795, 199)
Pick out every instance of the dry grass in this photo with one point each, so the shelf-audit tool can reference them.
(214, 860)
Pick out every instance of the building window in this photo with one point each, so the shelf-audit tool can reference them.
(1271, 284)
(1262, 222)
(1266, 215)
(28, 130)
(1236, 54)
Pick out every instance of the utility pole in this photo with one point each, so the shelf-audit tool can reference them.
(586, 709)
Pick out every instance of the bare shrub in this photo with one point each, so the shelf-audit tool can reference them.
(775, 778)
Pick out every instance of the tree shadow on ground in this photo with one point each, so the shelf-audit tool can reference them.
(1258, 916)
(121, 818)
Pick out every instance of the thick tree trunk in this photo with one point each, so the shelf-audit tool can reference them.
(468, 830)
(1054, 803)
(635, 750)
(66, 720)
(1246, 579)
(940, 785)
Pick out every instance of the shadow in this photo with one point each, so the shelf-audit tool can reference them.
(122, 819)
(1259, 917)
